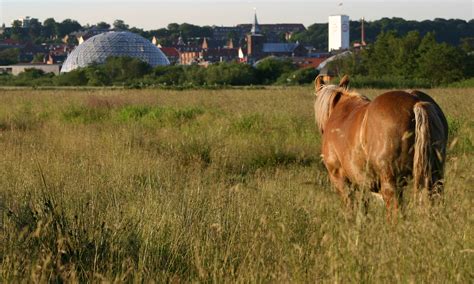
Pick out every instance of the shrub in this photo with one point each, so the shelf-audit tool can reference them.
(230, 74)
(298, 77)
(76, 77)
(124, 68)
(268, 70)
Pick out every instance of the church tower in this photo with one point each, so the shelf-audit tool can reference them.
(255, 41)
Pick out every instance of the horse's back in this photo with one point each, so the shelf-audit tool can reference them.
(392, 112)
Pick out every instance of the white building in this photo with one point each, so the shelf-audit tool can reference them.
(22, 67)
(338, 32)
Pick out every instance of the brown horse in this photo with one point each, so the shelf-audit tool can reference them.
(380, 144)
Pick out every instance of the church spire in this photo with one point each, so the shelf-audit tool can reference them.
(255, 26)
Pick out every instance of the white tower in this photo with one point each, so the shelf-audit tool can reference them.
(338, 32)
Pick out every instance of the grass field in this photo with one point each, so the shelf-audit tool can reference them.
(209, 186)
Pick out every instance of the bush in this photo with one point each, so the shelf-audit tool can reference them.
(298, 77)
(9, 56)
(124, 69)
(388, 82)
(76, 77)
(97, 76)
(268, 70)
(230, 74)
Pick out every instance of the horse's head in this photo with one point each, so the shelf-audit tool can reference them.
(327, 96)
(319, 83)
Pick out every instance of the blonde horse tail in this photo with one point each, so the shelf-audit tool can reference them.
(422, 148)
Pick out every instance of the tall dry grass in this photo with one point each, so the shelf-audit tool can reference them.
(212, 186)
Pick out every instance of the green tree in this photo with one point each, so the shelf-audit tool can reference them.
(230, 74)
(173, 28)
(49, 28)
(103, 25)
(17, 31)
(30, 74)
(120, 25)
(76, 77)
(124, 69)
(34, 29)
(405, 63)
(66, 27)
(38, 58)
(169, 75)
(270, 69)
(382, 54)
(439, 63)
(467, 44)
(97, 76)
(9, 56)
(298, 77)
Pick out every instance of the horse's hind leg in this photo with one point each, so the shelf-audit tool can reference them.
(339, 182)
(388, 188)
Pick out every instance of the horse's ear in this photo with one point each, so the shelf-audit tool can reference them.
(344, 82)
(318, 82)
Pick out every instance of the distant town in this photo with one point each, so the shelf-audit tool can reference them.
(30, 43)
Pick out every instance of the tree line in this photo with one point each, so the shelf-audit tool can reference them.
(451, 31)
(413, 60)
(52, 31)
(132, 72)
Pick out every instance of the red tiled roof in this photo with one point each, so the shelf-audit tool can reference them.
(304, 62)
(170, 51)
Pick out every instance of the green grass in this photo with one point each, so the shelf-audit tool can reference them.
(209, 186)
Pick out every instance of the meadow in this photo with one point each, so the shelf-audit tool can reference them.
(210, 186)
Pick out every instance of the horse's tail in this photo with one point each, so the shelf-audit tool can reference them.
(429, 148)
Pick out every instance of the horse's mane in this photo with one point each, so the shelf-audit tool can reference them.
(325, 102)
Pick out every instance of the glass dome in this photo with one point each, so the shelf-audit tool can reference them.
(98, 48)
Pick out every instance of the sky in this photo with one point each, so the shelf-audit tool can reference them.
(155, 14)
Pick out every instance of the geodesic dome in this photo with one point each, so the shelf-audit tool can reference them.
(98, 48)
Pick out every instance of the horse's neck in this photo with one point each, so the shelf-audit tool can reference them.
(354, 103)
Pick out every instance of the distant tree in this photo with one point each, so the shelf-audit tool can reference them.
(270, 69)
(28, 76)
(49, 28)
(316, 35)
(382, 54)
(450, 31)
(230, 74)
(439, 63)
(173, 28)
(120, 25)
(298, 77)
(97, 76)
(17, 31)
(66, 27)
(9, 56)
(169, 75)
(39, 57)
(103, 25)
(467, 44)
(160, 33)
(34, 29)
(123, 69)
(405, 63)
(76, 77)
(139, 31)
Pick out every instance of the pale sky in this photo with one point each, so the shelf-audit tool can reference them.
(154, 14)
